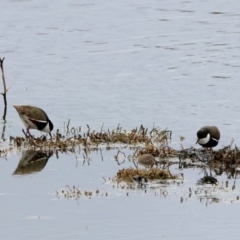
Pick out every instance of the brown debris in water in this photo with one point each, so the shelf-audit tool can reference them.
(226, 156)
(75, 193)
(140, 139)
(225, 160)
(127, 175)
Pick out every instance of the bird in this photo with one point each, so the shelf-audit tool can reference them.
(147, 160)
(208, 136)
(34, 118)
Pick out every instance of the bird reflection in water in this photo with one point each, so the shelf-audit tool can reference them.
(207, 179)
(32, 162)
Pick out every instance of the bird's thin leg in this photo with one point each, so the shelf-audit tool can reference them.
(24, 133)
(43, 137)
(50, 135)
(27, 134)
(211, 153)
(210, 172)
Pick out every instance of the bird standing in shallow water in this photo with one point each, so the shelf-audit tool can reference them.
(34, 118)
(208, 136)
(147, 160)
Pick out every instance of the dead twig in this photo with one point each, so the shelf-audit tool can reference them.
(5, 89)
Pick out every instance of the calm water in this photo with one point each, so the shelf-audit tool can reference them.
(171, 63)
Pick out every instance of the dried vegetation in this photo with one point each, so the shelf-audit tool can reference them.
(74, 138)
(140, 139)
(130, 174)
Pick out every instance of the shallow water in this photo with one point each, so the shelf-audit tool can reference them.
(169, 63)
(34, 205)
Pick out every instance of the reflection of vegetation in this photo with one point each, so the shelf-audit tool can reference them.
(162, 151)
(209, 194)
(76, 193)
(3, 130)
(32, 162)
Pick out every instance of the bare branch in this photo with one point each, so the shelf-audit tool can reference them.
(4, 89)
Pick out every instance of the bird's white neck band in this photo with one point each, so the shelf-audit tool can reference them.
(46, 129)
(204, 140)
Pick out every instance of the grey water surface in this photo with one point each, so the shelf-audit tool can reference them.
(173, 63)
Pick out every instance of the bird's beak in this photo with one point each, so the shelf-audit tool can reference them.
(197, 141)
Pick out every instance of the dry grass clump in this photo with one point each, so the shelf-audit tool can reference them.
(144, 141)
(128, 174)
(225, 160)
(74, 137)
(227, 155)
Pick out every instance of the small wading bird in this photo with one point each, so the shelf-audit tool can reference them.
(208, 136)
(34, 118)
(147, 160)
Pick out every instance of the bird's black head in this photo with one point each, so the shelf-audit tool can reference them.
(202, 133)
